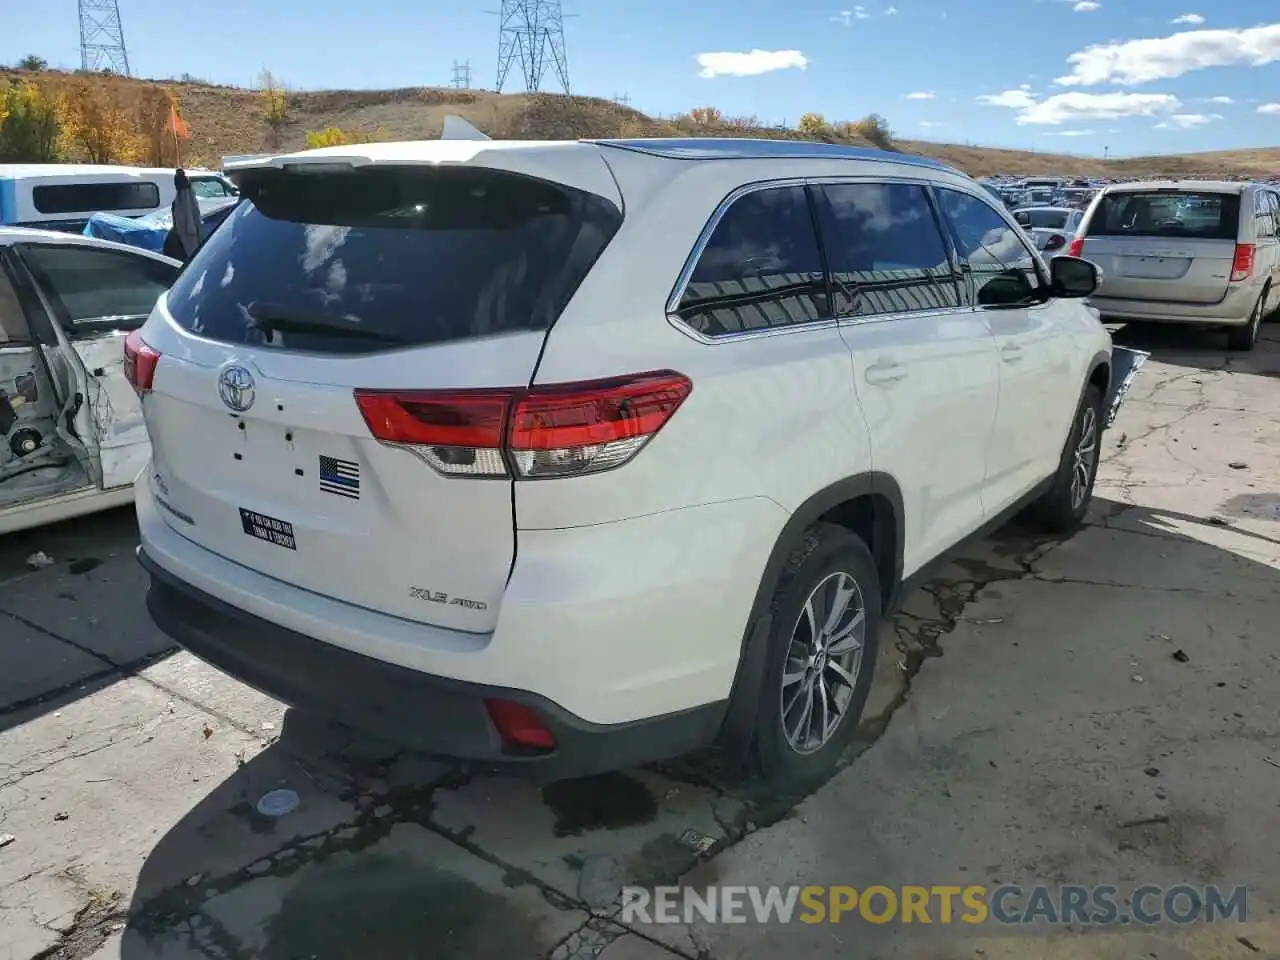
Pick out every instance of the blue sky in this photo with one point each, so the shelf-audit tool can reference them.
(1079, 76)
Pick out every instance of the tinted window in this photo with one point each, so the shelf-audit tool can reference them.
(1002, 266)
(92, 290)
(1167, 213)
(368, 259)
(884, 249)
(760, 268)
(95, 197)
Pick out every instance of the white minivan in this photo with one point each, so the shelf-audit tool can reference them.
(62, 196)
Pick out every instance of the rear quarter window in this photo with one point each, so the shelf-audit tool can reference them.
(378, 258)
(1172, 214)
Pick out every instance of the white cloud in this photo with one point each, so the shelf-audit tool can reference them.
(1187, 121)
(932, 124)
(1087, 6)
(1070, 133)
(1193, 18)
(1019, 99)
(1066, 107)
(1270, 109)
(750, 64)
(891, 11)
(1162, 58)
(1221, 100)
(922, 95)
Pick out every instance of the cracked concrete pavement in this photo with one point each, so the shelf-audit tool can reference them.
(1022, 702)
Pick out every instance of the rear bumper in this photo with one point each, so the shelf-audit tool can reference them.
(1234, 309)
(434, 714)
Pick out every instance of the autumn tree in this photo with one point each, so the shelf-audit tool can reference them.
(29, 126)
(274, 98)
(336, 137)
(98, 123)
(875, 129)
(814, 125)
(153, 113)
(706, 116)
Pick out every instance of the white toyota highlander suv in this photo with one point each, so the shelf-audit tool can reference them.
(567, 456)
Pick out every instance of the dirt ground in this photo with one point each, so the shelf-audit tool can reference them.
(1099, 709)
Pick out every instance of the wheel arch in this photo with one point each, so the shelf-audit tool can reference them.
(869, 504)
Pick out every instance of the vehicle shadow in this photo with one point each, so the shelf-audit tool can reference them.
(1203, 348)
(392, 855)
(72, 614)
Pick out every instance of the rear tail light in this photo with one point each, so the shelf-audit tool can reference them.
(1076, 249)
(531, 433)
(140, 360)
(519, 725)
(1242, 266)
(1056, 242)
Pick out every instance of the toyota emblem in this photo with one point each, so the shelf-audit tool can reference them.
(235, 387)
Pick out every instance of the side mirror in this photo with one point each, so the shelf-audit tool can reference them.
(1072, 277)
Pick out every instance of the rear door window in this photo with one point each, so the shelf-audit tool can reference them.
(362, 260)
(1264, 217)
(760, 268)
(92, 290)
(885, 250)
(1167, 213)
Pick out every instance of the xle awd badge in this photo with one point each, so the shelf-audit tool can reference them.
(236, 388)
(435, 596)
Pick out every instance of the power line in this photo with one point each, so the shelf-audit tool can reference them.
(102, 37)
(532, 33)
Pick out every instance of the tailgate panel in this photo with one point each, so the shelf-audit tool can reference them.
(1181, 271)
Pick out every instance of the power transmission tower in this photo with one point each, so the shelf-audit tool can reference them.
(462, 75)
(532, 32)
(623, 101)
(102, 37)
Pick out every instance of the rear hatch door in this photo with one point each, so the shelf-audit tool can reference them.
(1171, 246)
(364, 275)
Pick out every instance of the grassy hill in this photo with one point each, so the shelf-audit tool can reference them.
(229, 120)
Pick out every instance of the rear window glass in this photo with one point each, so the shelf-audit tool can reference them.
(356, 261)
(1210, 216)
(1043, 219)
(95, 197)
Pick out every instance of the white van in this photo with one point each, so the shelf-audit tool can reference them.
(62, 196)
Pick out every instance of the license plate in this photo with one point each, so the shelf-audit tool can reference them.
(279, 532)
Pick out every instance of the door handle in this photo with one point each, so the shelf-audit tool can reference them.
(885, 372)
(1011, 353)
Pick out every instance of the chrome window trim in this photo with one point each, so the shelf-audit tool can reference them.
(821, 323)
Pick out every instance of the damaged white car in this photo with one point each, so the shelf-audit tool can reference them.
(72, 437)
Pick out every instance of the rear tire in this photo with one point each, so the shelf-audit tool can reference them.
(1244, 338)
(1064, 505)
(820, 663)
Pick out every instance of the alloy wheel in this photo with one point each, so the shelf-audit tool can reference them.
(1086, 453)
(824, 659)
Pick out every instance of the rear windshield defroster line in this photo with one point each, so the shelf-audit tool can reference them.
(1172, 214)
(379, 258)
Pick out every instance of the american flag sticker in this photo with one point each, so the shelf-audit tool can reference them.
(341, 477)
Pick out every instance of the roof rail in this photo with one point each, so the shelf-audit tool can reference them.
(731, 148)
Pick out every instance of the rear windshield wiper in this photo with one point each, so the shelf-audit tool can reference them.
(268, 317)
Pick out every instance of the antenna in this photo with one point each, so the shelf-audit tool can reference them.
(102, 37)
(532, 32)
(462, 75)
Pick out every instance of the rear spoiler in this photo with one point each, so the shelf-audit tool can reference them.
(455, 128)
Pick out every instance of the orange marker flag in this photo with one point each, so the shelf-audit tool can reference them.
(176, 123)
